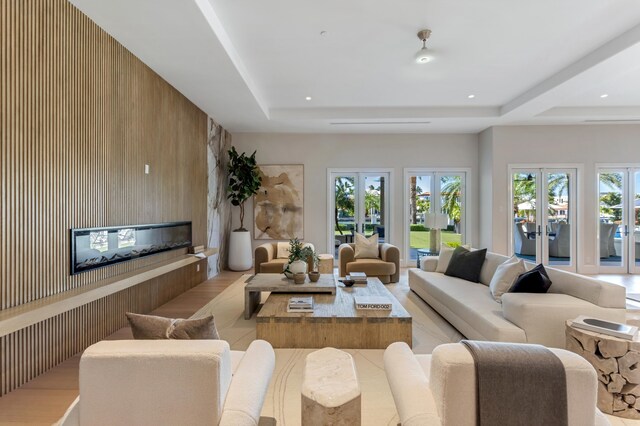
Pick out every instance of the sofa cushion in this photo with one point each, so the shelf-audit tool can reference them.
(366, 248)
(533, 281)
(469, 302)
(283, 250)
(504, 277)
(150, 327)
(276, 266)
(466, 264)
(372, 267)
(491, 263)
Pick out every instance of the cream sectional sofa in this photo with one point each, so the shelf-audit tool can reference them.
(522, 317)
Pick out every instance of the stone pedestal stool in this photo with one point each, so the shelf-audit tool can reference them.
(325, 263)
(617, 363)
(330, 389)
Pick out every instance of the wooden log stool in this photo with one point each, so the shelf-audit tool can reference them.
(330, 389)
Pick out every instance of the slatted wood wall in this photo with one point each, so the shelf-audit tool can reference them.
(80, 116)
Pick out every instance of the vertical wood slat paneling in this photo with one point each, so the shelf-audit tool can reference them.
(79, 118)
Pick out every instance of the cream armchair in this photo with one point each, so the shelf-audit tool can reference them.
(440, 389)
(171, 382)
(266, 259)
(386, 267)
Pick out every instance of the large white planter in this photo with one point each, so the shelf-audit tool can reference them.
(240, 251)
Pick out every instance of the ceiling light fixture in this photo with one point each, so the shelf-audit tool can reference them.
(471, 96)
(604, 95)
(423, 56)
(308, 98)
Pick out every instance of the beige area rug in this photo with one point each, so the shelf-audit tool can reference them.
(283, 398)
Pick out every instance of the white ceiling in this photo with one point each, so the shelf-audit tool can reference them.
(251, 63)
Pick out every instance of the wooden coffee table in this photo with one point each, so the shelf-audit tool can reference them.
(335, 321)
(278, 283)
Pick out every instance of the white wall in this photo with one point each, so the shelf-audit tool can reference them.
(318, 152)
(485, 199)
(586, 145)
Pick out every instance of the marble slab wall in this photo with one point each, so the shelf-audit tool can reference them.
(218, 207)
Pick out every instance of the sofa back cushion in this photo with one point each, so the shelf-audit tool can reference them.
(146, 382)
(491, 263)
(598, 292)
(466, 264)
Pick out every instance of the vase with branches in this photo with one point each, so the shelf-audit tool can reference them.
(300, 255)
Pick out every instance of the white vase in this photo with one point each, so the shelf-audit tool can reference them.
(298, 266)
(240, 251)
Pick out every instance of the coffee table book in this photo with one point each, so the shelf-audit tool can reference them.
(616, 329)
(373, 303)
(300, 304)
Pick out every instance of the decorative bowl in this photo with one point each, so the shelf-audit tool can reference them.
(314, 276)
(348, 283)
(299, 278)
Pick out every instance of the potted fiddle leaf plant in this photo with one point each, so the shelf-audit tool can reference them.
(244, 182)
(299, 255)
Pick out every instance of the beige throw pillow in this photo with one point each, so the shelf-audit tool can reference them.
(151, 327)
(366, 248)
(444, 257)
(283, 250)
(504, 277)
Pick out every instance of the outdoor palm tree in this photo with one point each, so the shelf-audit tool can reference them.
(451, 190)
(344, 198)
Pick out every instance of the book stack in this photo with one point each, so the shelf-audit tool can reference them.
(300, 304)
(373, 303)
(360, 278)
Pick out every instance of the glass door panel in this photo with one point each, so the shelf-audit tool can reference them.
(524, 190)
(560, 224)
(451, 187)
(612, 206)
(374, 191)
(634, 231)
(420, 190)
(345, 209)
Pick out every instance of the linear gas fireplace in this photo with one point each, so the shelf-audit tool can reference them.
(93, 248)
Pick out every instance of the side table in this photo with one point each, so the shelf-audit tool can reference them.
(425, 252)
(615, 361)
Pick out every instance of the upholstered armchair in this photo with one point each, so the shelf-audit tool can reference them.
(386, 267)
(523, 245)
(266, 259)
(560, 245)
(441, 390)
(171, 382)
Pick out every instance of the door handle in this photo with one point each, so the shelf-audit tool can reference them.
(626, 230)
(539, 233)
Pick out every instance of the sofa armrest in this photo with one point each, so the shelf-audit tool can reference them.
(409, 387)
(429, 263)
(249, 386)
(345, 255)
(264, 253)
(391, 253)
(543, 316)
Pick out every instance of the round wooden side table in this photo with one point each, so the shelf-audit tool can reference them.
(617, 363)
(325, 263)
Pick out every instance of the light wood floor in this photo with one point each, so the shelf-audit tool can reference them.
(44, 400)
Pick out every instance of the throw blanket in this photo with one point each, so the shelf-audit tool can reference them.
(518, 385)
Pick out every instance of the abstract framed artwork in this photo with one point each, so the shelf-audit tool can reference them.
(278, 207)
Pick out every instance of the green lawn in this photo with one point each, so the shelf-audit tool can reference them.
(421, 239)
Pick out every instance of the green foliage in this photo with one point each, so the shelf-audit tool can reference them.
(298, 251)
(344, 199)
(451, 190)
(244, 180)
(453, 244)
(418, 228)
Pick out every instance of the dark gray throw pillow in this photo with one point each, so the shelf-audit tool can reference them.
(154, 327)
(533, 281)
(466, 264)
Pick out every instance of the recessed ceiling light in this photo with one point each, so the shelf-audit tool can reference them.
(471, 96)
(308, 98)
(604, 95)
(323, 33)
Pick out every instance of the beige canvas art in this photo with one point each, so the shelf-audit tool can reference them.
(279, 204)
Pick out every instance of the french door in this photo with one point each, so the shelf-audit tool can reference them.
(543, 221)
(618, 231)
(433, 198)
(358, 202)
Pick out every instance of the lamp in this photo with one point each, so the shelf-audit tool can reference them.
(435, 221)
(423, 56)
